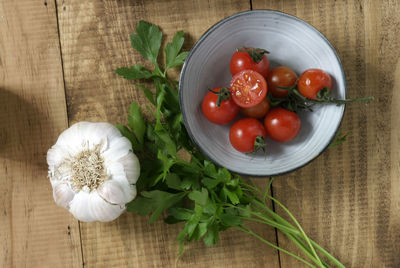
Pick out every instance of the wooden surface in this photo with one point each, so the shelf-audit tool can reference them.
(56, 68)
(34, 232)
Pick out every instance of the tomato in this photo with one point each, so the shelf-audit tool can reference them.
(250, 59)
(312, 81)
(282, 125)
(258, 111)
(223, 114)
(247, 135)
(248, 88)
(280, 76)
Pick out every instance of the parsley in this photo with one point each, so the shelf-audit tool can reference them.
(338, 139)
(205, 198)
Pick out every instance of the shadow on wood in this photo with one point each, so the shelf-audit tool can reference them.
(23, 129)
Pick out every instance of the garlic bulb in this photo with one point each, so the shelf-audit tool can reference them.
(93, 171)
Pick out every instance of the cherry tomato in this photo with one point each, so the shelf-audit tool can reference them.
(219, 115)
(280, 76)
(282, 125)
(247, 135)
(242, 60)
(312, 81)
(248, 88)
(258, 111)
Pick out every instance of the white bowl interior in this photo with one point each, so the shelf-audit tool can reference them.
(291, 42)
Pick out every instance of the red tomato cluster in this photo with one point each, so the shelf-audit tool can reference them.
(251, 80)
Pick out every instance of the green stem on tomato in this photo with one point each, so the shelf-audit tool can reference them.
(328, 99)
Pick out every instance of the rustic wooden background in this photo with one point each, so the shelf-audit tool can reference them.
(56, 68)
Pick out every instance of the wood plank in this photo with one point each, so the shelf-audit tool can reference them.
(94, 42)
(34, 232)
(348, 198)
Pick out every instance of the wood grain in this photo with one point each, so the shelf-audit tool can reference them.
(95, 41)
(348, 198)
(34, 232)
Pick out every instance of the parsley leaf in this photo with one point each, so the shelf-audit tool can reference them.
(181, 214)
(339, 139)
(131, 137)
(199, 197)
(173, 181)
(167, 143)
(230, 219)
(211, 237)
(174, 59)
(147, 40)
(134, 72)
(156, 201)
(210, 183)
(136, 122)
(147, 93)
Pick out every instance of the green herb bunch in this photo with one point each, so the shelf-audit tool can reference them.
(207, 199)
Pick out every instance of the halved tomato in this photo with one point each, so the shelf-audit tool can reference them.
(248, 88)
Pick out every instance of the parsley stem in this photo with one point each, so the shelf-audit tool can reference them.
(290, 232)
(282, 221)
(268, 188)
(265, 220)
(298, 226)
(272, 213)
(274, 224)
(306, 250)
(249, 231)
(250, 187)
(327, 254)
(158, 71)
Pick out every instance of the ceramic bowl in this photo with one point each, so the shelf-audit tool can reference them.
(291, 42)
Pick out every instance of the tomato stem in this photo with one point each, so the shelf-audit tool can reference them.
(323, 96)
(223, 94)
(256, 54)
(259, 143)
(295, 101)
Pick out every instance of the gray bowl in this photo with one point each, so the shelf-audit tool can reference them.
(291, 42)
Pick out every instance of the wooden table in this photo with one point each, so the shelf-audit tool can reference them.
(56, 68)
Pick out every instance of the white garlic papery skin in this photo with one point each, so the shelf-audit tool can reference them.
(93, 171)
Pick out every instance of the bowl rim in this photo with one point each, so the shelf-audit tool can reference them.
(204, 36)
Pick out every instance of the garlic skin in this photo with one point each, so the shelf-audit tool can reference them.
(93, 171)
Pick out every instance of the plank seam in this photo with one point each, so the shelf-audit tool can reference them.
(66, 105)
(276, 230)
